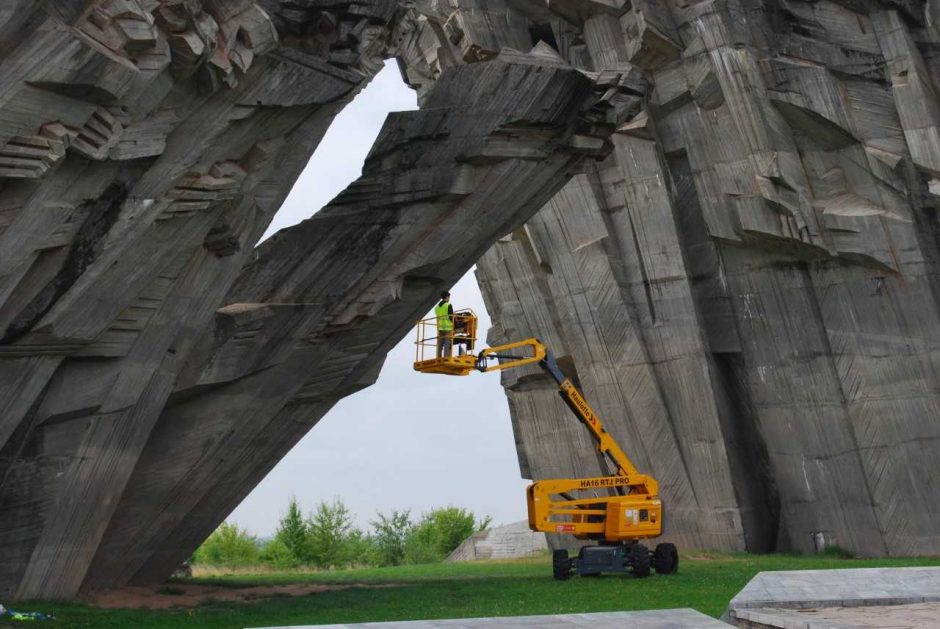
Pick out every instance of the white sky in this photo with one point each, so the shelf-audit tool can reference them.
(411, 441)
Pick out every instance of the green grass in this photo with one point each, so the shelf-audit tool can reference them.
(497, 588)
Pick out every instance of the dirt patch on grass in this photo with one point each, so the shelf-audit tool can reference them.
(190, 595)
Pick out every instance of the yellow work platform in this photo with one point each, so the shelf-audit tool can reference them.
(435, 351)
(453, 366)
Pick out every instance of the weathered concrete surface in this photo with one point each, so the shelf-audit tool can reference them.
(876, 588)
(501, 542)
(659, 619)
(747, 288)
(154, 366)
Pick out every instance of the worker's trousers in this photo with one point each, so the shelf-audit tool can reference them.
(445, 344)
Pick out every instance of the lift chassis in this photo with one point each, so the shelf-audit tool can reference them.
(614, 514)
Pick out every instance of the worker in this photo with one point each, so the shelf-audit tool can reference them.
(444, 312)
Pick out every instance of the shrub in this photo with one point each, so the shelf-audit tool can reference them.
(329, 530)
(391, 533)
(452, 526)
(229, 546)
(291, 537)
(421, 545)
(439, 533)
(277, 554)
(358, 550)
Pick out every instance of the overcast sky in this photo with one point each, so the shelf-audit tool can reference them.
(411, 441)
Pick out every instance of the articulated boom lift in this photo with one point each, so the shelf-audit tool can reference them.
(616, 511)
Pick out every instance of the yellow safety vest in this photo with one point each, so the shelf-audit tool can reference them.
(444, 322)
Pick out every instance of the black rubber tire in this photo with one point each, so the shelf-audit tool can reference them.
(639, 558)
(666, 559)
(561, 565)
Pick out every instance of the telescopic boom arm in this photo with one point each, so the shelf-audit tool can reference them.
(507, 357)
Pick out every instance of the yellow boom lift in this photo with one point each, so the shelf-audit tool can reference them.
(615, 511)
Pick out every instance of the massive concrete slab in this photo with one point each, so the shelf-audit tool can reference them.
(658, 619)
(155, 365)
(747, 289)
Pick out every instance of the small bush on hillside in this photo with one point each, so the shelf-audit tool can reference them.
(229, 546)
(439, 533)
(453, 525)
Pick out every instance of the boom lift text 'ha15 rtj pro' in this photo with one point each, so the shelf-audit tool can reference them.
(616, 511)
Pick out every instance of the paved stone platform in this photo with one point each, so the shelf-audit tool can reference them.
(914, 616)
(655, 619)
(784, 599)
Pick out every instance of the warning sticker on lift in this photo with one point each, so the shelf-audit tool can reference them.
(564, 528)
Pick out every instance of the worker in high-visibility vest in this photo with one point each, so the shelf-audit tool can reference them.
(444, 312)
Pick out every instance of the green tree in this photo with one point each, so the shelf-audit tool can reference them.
(292, 534)
(329, 529)
(229, 546)
(390, 535)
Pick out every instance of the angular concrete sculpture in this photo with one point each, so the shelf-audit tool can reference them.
(748, 287)
(154, 366)
(743, 279)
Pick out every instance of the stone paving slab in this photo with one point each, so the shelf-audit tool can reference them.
(914, 616)
(860, 587)
(655, 619)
